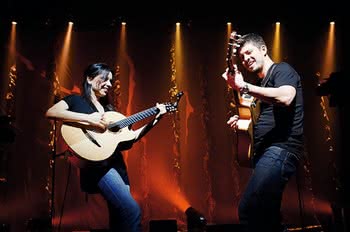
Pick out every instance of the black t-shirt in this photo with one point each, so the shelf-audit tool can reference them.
(280, 125)
(89, 176)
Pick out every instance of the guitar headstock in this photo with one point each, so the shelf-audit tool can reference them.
(233, 44)
(172, 106)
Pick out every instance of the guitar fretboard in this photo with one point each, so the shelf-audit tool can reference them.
(134, 118)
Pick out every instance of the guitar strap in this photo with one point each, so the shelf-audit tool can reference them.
(255, 107)
(268, 75)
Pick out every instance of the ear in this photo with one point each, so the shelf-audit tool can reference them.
(264, 49)
(89, 80)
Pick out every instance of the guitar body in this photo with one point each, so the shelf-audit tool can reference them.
(96, 147)
(244, 149)
(244, 132)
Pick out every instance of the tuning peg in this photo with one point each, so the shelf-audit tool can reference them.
(179, 94)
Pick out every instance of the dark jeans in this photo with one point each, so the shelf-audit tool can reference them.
(259, 208)
(124, 212)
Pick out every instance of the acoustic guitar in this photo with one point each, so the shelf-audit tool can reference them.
(244, 133)
(93, 148)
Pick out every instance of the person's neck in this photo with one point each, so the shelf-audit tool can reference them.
(94, 98)
(267, 64)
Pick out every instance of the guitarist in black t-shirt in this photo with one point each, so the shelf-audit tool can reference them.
(277, 131)
(92, 111)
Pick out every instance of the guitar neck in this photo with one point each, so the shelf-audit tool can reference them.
(134, 118)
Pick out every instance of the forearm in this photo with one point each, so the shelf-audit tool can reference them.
(282, 95)
(61, 111)
(142, 131)
(67, 115)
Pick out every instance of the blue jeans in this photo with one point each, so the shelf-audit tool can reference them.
(259, 208)
(124, 212)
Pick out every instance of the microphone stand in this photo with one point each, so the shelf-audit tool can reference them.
(54, 155)
(53, 174)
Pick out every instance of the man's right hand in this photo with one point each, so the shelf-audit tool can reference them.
(239, 124)
(232, 122)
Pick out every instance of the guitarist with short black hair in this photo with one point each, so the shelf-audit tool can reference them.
(89, 130)
(277, 125)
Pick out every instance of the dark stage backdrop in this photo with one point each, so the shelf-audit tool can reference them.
(188, 156)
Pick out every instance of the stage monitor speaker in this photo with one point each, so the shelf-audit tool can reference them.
(92, 230)
(40, 224)
(224, 228)
(169, 225)
(4, 227)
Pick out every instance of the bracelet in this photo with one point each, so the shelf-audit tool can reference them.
(244, 89)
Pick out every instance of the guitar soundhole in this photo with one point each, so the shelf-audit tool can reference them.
(91, 138)
(114, 129)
